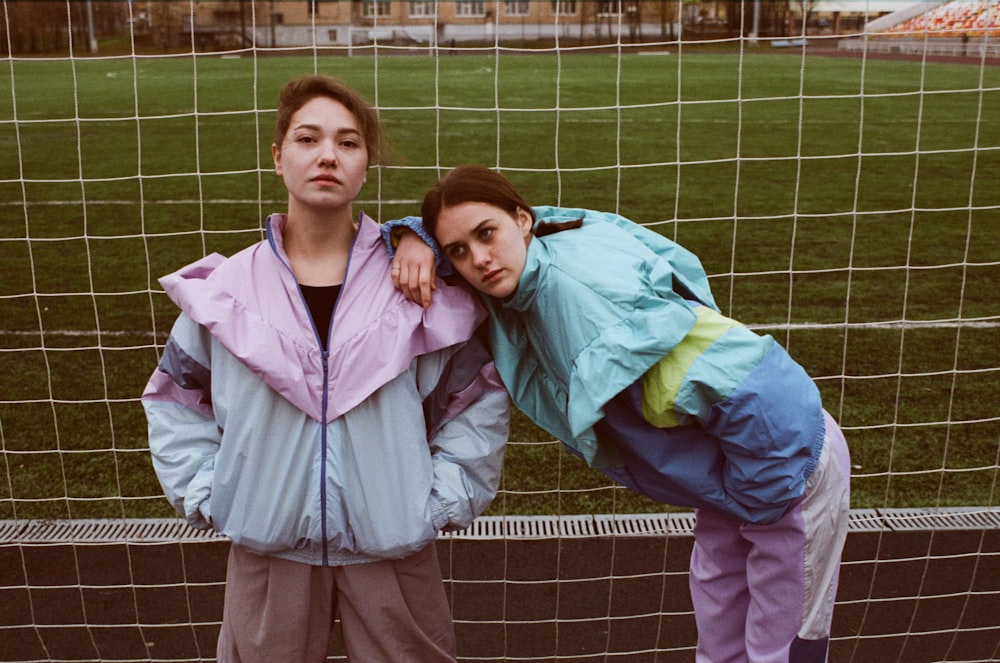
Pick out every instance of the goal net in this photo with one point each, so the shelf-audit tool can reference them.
(836, 174)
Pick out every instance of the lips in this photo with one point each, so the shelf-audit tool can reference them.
(326, 179)
(492, 276)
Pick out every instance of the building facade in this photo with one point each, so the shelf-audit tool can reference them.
(230, 24)
(299, 23)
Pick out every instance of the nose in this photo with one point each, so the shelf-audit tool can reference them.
(480, 255)
(327, 153)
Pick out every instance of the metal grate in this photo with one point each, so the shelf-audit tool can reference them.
(866, 520)
(951, 518)
(9, 530)
(494, 527)
(101, 531)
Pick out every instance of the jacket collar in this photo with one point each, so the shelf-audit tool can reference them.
(252, 305)
(536, 263)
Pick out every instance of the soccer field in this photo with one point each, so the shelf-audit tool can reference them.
(849, 207)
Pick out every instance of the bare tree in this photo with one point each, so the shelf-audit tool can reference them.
(37, 27)
(667, 11)
(633, 16)
(165, 24)
(805, 9)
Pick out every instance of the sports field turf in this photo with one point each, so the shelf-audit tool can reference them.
(817, 191)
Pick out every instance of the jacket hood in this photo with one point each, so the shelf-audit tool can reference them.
(251, 303)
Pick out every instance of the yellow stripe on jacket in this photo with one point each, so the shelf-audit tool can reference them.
(662, 382)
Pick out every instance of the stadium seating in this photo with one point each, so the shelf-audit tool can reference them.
(960, 18)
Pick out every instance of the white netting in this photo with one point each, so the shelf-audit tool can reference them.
(838, 177)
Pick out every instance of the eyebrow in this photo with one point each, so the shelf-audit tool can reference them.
(316, 127)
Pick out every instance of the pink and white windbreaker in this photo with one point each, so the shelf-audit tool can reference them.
(362, 452)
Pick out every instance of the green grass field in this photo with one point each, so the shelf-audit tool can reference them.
(817, 191)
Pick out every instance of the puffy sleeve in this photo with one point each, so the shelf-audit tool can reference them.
(467, 413)
(183, 434)
(755, 402)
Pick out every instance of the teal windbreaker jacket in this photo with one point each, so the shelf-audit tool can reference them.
(728, 420)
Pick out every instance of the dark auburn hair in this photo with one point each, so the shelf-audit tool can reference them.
(471, 184)
(300, 91)
(477, 184)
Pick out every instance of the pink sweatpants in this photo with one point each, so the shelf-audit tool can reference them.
(765, 593)
(393, 611)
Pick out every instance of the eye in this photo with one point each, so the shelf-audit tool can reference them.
(456, 252)
(485, 234)
(350, 140)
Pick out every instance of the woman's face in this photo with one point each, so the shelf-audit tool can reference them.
(323, 158)
(486, 245)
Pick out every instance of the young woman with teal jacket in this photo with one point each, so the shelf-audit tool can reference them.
(606, 334)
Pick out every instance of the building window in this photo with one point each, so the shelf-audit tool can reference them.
(423, 8)
(519, 8)
(376, 8)
(470, 9)
(609, 8)
(227, 20)
(564, 8)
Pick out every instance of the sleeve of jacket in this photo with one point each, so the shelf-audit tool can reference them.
(746, 391)
(770, 424)
(183, 434)
(536, 394)
(467, 413)
(390, 235)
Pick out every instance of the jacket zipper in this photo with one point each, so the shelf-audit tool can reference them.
(326, 391)
(322, 449)
(325, 355)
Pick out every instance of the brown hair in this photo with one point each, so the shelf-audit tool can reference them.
(300, 91)
(478, 184)
(471, 184)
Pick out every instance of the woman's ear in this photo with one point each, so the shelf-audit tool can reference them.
(276, 155)
(524, 221)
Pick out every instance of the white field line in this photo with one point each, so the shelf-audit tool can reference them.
(946, 324)
(897, 324)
